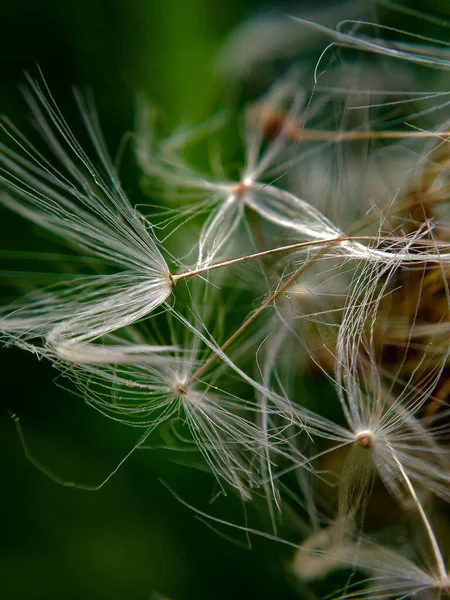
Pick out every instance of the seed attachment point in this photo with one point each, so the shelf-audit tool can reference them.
(180, 389)
(444, 584)
(365, 439)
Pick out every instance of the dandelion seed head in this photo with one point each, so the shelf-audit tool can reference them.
(180, 388)
(82, 202)
(239, 189)
(327, 295)
(365, 439)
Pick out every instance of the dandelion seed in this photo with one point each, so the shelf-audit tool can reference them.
(427, 55)
(232, 198)
(146, 393)
(87, 208)
(370, 311)
(395, 576)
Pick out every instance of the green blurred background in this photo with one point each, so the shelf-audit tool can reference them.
(132, 539)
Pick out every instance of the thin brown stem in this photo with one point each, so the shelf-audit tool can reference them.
(328, 243)
(297, 246)
(350, 136)
(281, 289)
(262, 308)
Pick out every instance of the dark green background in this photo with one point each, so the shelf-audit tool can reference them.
(132, 539)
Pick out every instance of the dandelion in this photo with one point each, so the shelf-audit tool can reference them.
(148, 390)
(276, 119)
(231, 199)
(431, 54)
(395, 576)
(88, 209)
(386, 427)
(213, 355)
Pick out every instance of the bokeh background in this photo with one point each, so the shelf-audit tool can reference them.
(132, 539)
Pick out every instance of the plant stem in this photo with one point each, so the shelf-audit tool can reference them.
(436, 550)
(265, 304)
(349, 136)
(327, 242)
